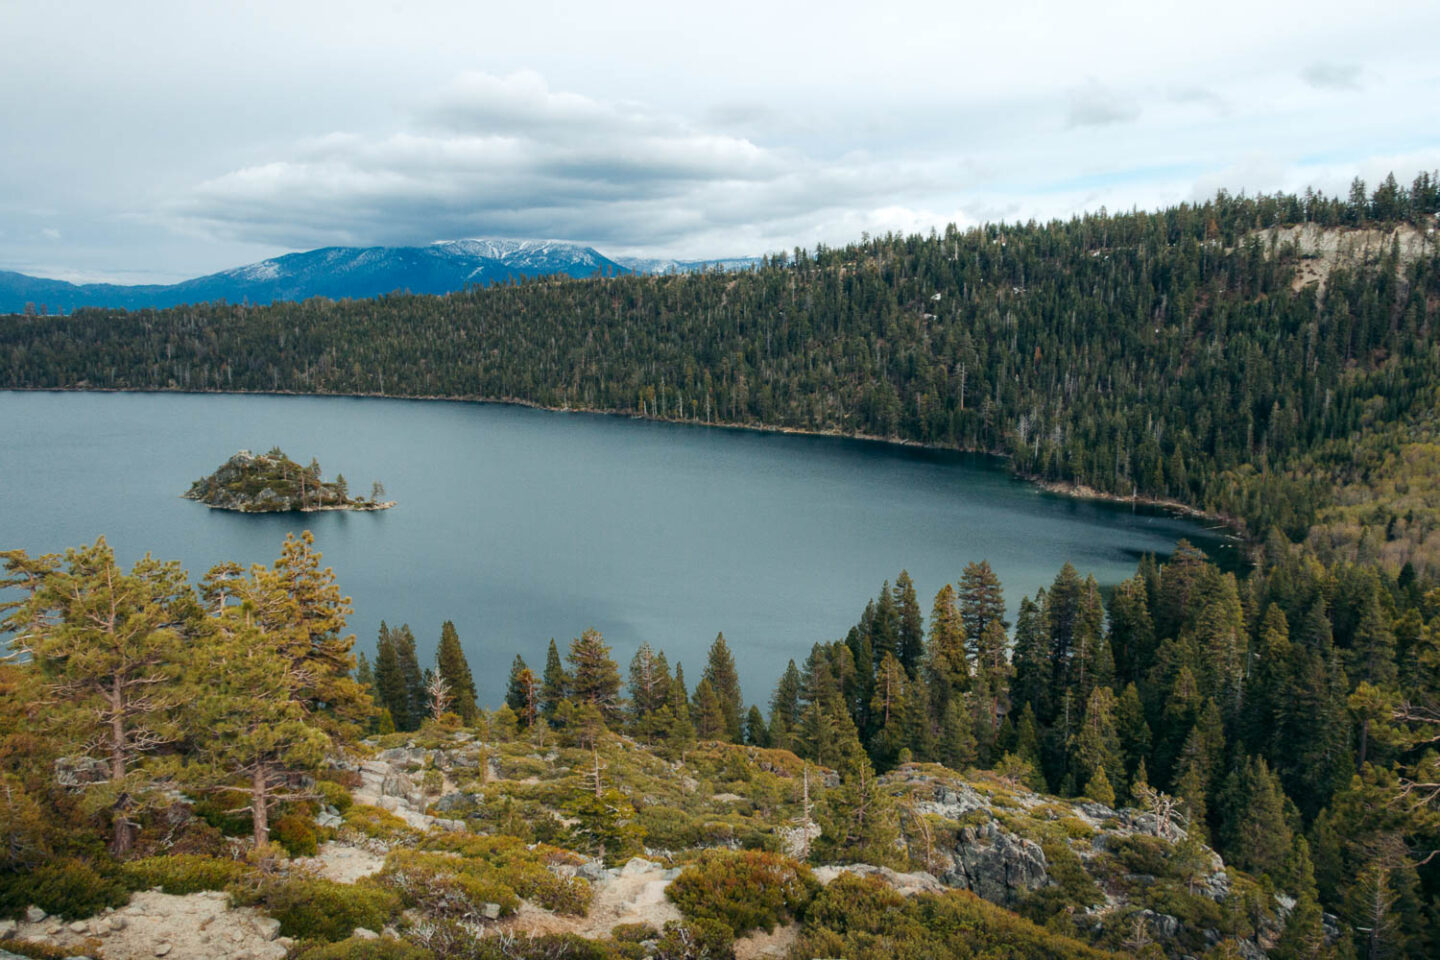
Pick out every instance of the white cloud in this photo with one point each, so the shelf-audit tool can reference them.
(1324, 75)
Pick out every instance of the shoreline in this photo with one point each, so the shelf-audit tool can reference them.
(1234, 527)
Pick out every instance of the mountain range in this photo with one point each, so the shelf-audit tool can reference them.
(356, 272)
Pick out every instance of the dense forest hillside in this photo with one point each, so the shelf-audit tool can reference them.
(1203, 353)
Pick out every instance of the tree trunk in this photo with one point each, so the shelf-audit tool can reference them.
(260, 804)
(123, 838)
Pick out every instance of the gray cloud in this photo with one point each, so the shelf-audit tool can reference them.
(1095, 105)
(508, 156)
(1324, 75)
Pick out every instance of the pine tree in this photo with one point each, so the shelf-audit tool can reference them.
(708, 712)
(982, 602)
(785, 707)
(364, 674)
(452, 666)
(1132, 634)
(556, 684)
(298, 602)
(1256, 835)
(412, 679)
(956, 745)
(649, 682)
(1031, 659)
(1304, 934)
(108, 643)
(720, 671)
(890, 713)
(594, 677)
(1132, 729)
(516, 694)
(253, 736)
(1096, 743)
(390, 680)
(947, 672)
(757, 734)
(910, 629)
(857, 819)
(1098, 788)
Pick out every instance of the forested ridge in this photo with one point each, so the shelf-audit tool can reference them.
(1170, 355)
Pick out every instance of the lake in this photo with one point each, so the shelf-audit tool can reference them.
(521, 525)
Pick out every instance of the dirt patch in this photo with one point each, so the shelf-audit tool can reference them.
(344, 863)
(761, 945)
(198, 926)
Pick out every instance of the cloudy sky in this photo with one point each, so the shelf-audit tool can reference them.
(152, 140)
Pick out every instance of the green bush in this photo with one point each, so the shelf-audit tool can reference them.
(183, 873)
(745, 890)
(334, 794)
(865, 919)
(386, 948)
(522, 868)
(633, 933)
(296, 833)
(316, 909)
(696, 940)
(1143, 854)
(446, 886)
(72, 889)
(377, 823)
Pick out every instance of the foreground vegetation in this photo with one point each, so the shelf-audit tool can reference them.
(1286, 719)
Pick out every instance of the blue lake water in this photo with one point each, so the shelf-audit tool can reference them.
(521, 525)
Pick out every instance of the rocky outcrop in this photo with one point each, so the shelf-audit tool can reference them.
(996, 865)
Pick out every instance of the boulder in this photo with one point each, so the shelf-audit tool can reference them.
(996, 865)
(34, 914)
(360, 933)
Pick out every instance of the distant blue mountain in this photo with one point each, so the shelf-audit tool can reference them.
(334, 272)
(660, 265)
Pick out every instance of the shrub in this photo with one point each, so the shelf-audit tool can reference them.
(296, 833)
(446, 886)
(183, 873)
(633, 933)
(377, 823)
(315, 909)
(72, 889)
(524, 869)
(696, 940)
(334, 794)
(386, 948)
(745, 890)
(1143, 854)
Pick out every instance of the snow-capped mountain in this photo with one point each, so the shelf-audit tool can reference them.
(662, 265)
(335, 272)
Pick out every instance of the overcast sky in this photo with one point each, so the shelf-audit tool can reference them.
(153, 141)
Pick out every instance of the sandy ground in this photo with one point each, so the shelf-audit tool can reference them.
(198, 926)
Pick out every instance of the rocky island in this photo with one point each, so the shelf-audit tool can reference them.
(273, 483)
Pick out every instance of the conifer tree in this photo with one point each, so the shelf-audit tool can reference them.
(890, 712)
(1096, 744)
(982, 602)
(1304, 934)
(108, 643)
(412, 679)
(452, 666)
(390, 680)
(555, 686)
(594, 677)
(253, 735)
(298, 603)
(364, 675)
(1031, 658)
(757, 734)
(910, 629)
(649, 682)
(720, 671)
(1132, 633)
(947, 672)
(707, 712)
(1256, 835)
(785, 707)
(516, 693)
(956, 744)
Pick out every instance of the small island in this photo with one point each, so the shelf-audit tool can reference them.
(273, 483)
